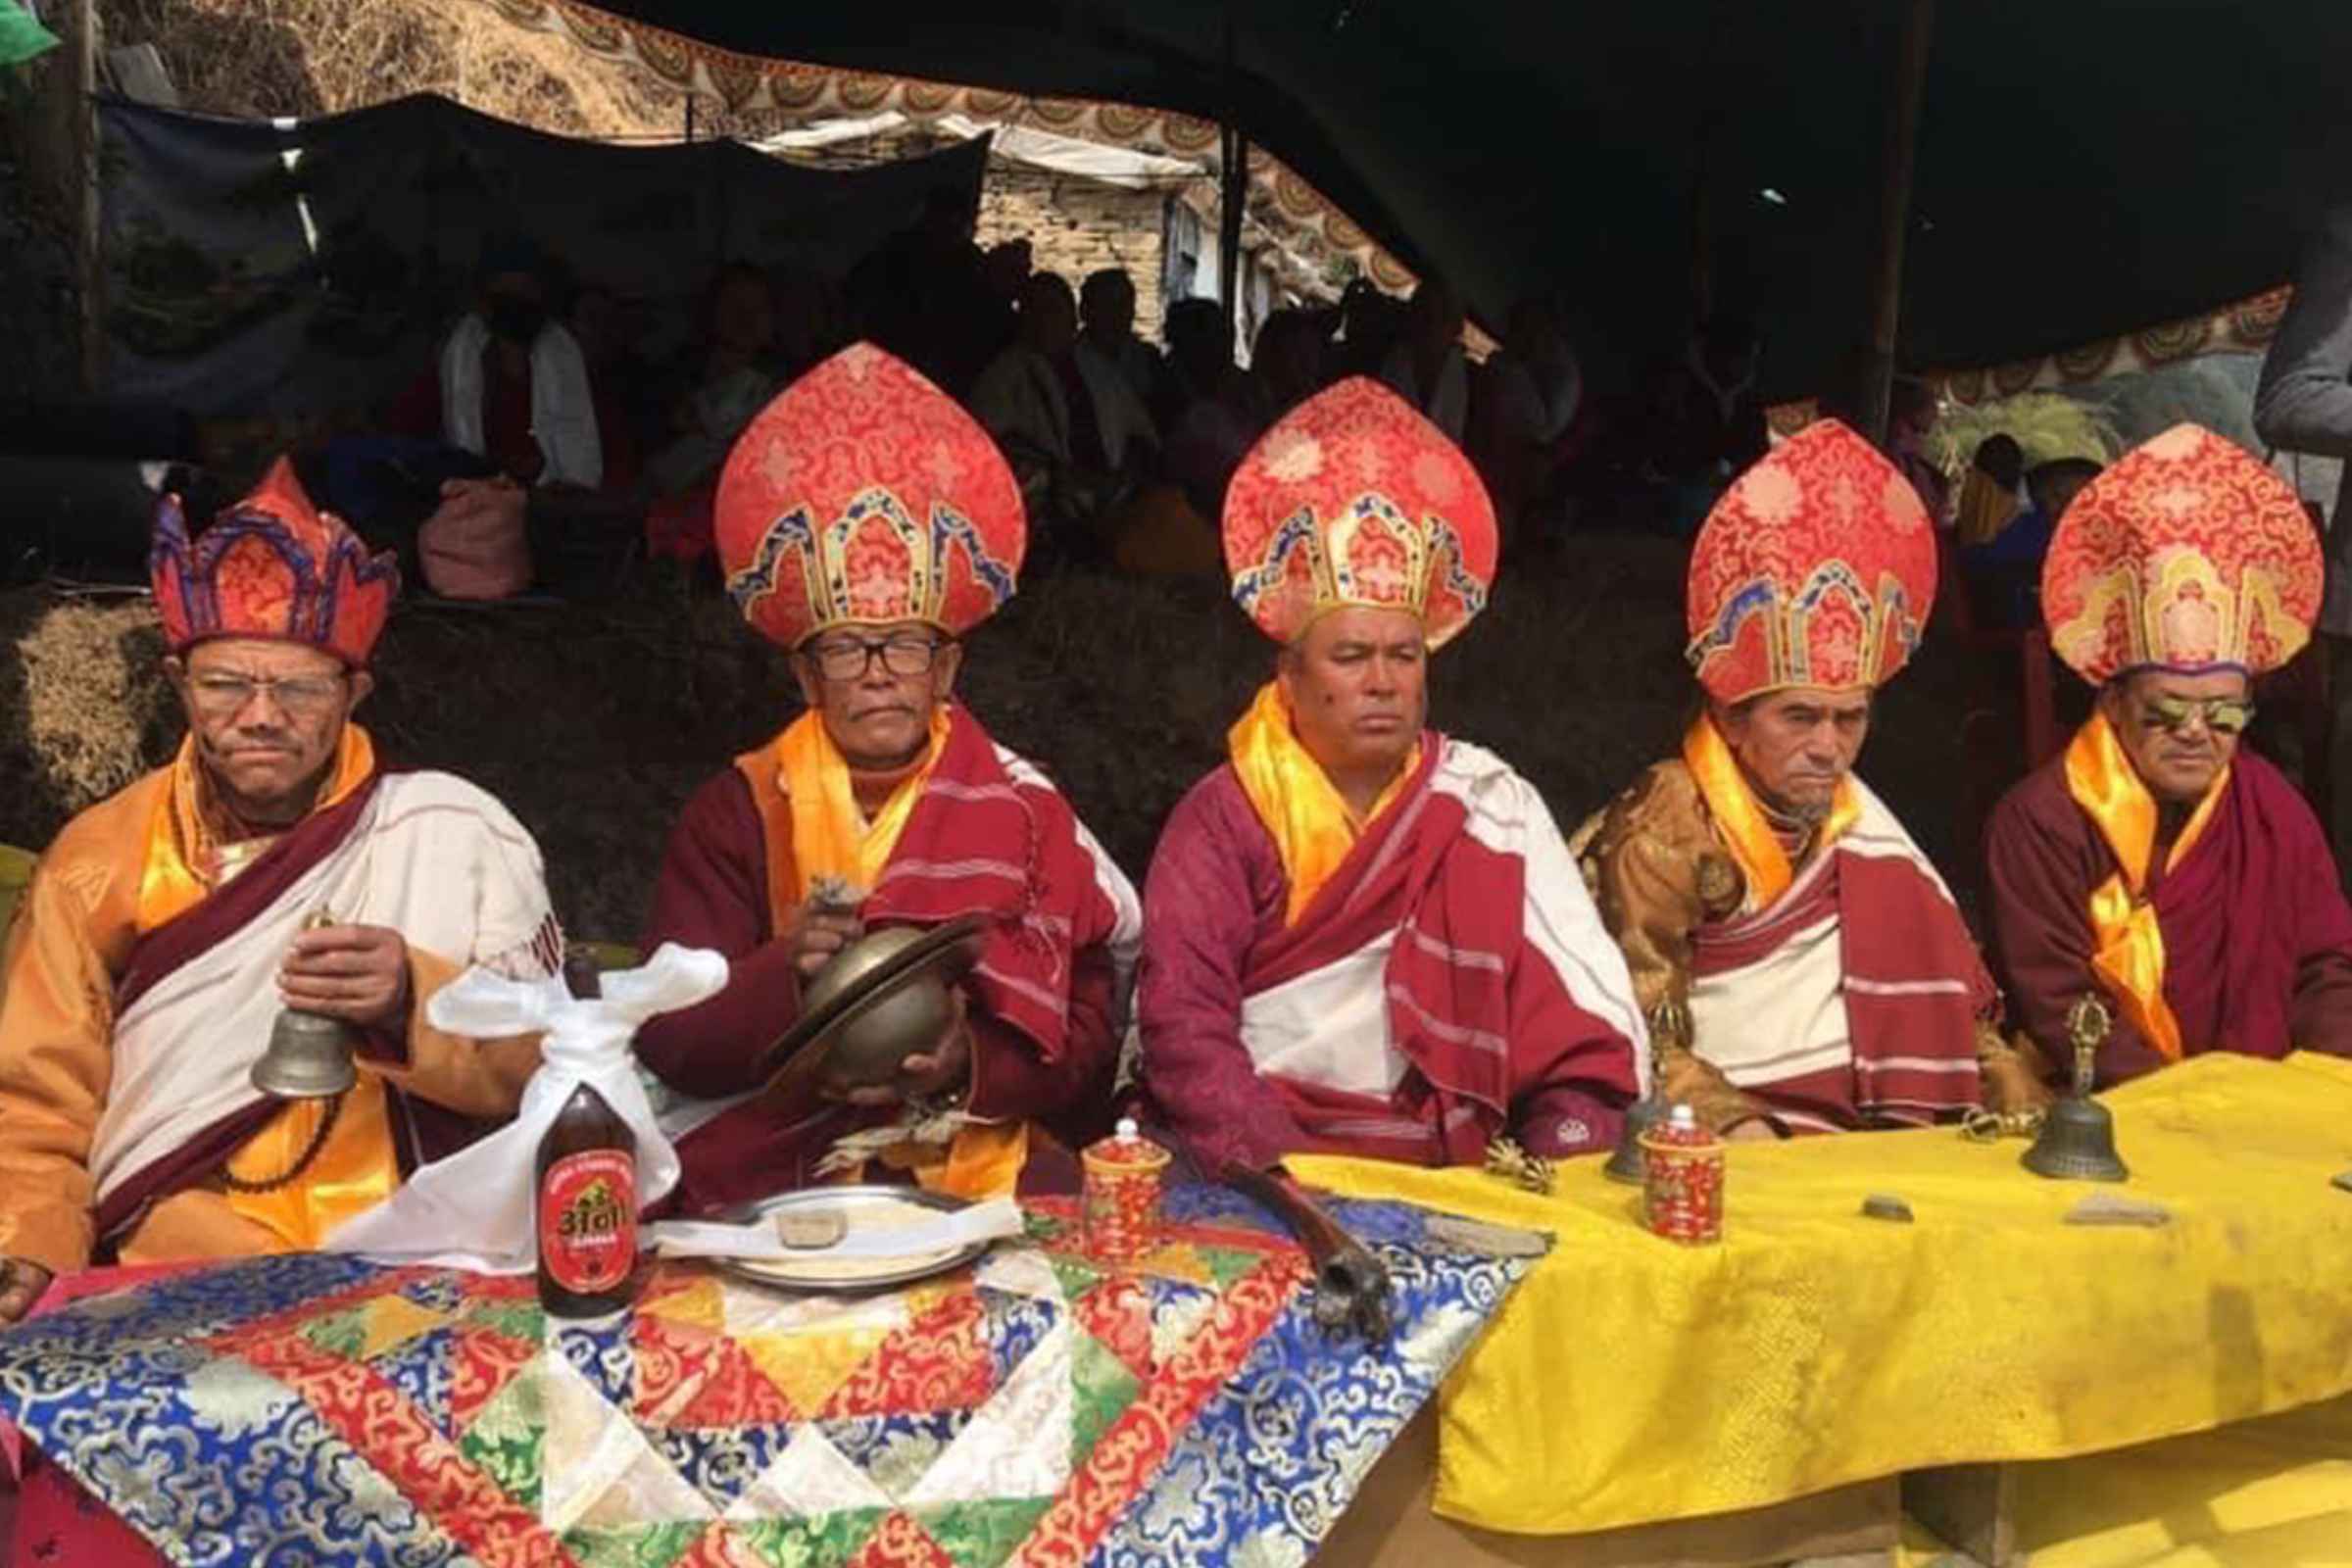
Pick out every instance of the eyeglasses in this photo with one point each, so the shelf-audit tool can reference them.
(2224, 716)
(850, 658)
(304, 697)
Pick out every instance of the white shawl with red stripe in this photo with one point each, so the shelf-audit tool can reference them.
(1853, 996)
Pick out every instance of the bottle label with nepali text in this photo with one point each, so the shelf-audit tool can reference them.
(588, 1220)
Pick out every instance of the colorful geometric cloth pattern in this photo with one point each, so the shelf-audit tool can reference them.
(1815, 569)
(864, 495)
(1035, 1408)
(2188, 554)
(273, 566)
(1354, 499)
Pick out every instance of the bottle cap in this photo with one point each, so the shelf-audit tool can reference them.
(1682, 1116)
(1125, 1129)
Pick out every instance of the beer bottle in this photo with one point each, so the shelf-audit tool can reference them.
(587, 1196)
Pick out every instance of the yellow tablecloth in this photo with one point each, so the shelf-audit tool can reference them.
(1630, 1380)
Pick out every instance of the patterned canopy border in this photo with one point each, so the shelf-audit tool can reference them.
(816, 92)
(2247, 326)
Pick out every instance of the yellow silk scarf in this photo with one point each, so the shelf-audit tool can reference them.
(1312, 828)
(357, 1168)
(2129, 956)
(832, 837)
(1746, 832)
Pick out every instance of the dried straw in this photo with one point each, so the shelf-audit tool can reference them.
(595, 721)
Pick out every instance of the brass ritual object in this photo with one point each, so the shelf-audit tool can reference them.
(2077, 1142)
(1669, 1022)
(310, 1056)
(880, 1000)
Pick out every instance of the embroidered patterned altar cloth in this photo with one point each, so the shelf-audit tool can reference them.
(1035, 1408)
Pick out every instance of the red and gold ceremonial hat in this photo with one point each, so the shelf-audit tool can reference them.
(1354, 499)
(862, 496)
(1815, 569)
(2188, 554)
(271, 567)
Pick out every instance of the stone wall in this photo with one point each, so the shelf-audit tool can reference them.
(1075, 227)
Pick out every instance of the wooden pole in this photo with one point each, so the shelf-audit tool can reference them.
(1233, 189)
(1894, 215)
(1233, 196)
(81, 44)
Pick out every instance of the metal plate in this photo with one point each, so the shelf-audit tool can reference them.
(851, 1276)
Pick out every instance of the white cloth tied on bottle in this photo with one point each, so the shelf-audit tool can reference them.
(476, 1208)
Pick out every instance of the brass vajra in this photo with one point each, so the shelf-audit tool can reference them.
(1507, 1159)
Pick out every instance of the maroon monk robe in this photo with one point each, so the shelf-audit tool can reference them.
(712, 892)
(2257, 936)
(1214, 932)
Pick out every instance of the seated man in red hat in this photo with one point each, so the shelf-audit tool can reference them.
(2156, 863)
(867, 523)
(1802, 966)
(168, 926)
(1360, 935)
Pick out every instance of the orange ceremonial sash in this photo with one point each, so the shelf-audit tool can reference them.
(2129, 954)
(1740, 816)
(1312, 828)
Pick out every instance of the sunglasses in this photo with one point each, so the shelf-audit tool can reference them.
(2222, 715)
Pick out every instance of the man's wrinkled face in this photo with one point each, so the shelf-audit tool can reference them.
(876, 686)
(1795, 745)
(266, 717)
(1358, 686)
(2179, 730)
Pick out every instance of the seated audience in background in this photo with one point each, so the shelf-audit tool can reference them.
(734, 375)
(1426, 366)
(1704, 421)
(1206, 408)
(1529, 398)
(1360, 935)
(1286, 369)
(1074, 445)
(271, 864)
(1802, 966)
(2001, 537)
(922, 296)
(1106, 340)
(1370, 323)
(2157, 864)
(1991, 491)
(511, 386)
(606, 327)
(510, 406)
(1003, 272)
(1913, 407)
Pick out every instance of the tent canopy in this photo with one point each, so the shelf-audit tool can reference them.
(2085, 169)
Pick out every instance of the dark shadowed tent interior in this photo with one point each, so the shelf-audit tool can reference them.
(2083, 169)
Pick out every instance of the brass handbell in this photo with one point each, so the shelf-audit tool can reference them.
(310, 1057)
(310, 1054)
(1669, 1022)
(2077, 1141)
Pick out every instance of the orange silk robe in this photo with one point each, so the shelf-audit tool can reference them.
(65, 950)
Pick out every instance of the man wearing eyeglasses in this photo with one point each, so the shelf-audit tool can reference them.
(272, 864)
(2156, 862)
(867, 523)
